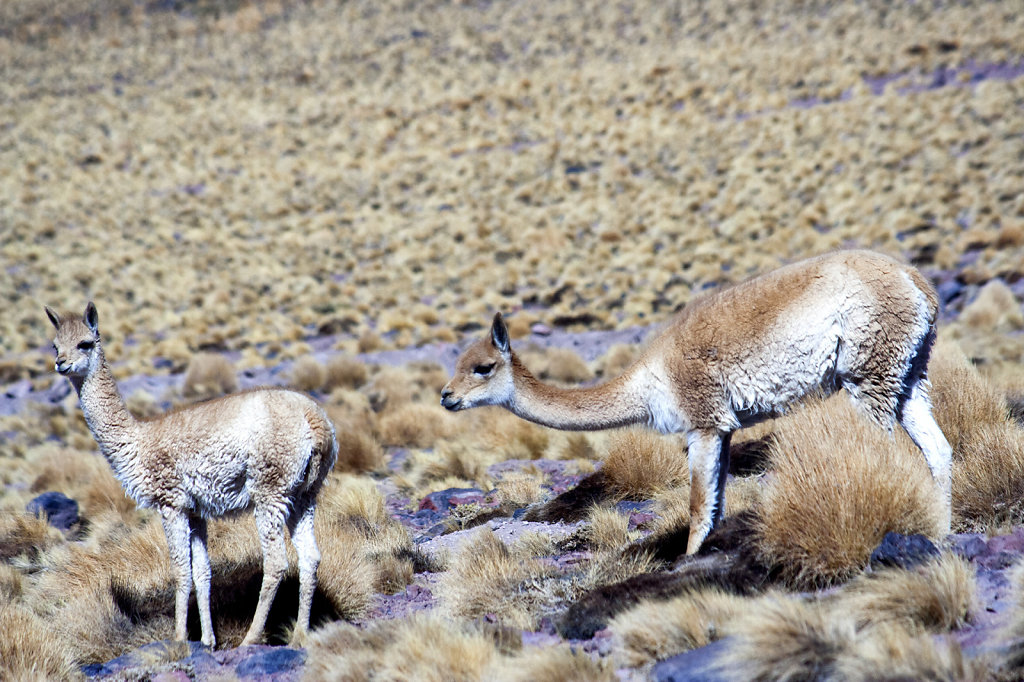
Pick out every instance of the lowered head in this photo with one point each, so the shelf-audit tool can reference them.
(77, 343)
(483, 373)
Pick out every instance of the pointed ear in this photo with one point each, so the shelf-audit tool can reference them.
(91, 317)
(499, 335)
(54, 317)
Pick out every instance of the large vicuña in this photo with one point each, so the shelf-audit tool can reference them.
(853, 319)
(269, 450)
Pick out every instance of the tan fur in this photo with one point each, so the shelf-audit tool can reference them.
(268, 450)
(853, 319)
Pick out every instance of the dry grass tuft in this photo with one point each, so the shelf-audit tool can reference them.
(995, 308)
(307, 374)
(29, 650)
(935, 597)
(656, 630)
(840, 483)
(577, 446)
(639, 464)
(421, 647)
(344, 371)
(486, 577)
(963, 401)
(617, 360)
(358, 448)
(22, 533)
(518, 490)
(347, 576)
(988, 478)
(415, 425)
(564, 365)
(510, 437)
(607, 529)
(550, 664)
(208, 375)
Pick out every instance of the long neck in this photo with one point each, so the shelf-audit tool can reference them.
(111, 423)
(606, 406)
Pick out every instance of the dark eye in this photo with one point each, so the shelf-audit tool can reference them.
(86, 345)
(483, 369)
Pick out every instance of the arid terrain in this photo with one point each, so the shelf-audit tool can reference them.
(337, 197)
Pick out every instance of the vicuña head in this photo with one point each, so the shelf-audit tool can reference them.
(853, 319)
(268, 450)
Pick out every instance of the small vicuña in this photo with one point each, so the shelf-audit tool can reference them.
(269, 450)
(853, 319)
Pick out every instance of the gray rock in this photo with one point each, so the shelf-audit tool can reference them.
(59, 509)
(698, 665)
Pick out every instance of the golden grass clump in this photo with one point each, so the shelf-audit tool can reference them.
(839, 484)
(29, 649)
(415, 425)
(421, 647)
(550, 664)
(208, 375)
(656, 630)
(937, 596)
(486, 577)
(617, 360)
(994, 309)
(358, 448)
(564, 365)
(607, 529)
(345, 371)
(640, 464)
(307, 374)
(517, 490)
(23, 533)
(347, 576)
(963, 401)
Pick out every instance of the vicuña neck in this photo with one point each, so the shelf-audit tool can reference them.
(108, 418)
(606, 406)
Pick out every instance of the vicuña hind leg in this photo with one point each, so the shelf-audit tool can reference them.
(201, 578)
(308, 554)
(707, 483)
(916, 417)
(270, 526)
(176, 528)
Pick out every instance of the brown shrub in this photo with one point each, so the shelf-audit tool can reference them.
(519, 490)
(988, 478)
(963, 400)
(307, 374)
(840, 483)
(208, 375)
(358, 448)
(639, 463)
(994, 309)
(656, 630)
(29, 650)
(415, 425)
(344, 371)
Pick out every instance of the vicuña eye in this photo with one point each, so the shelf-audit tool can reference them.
(86, 345)
(483, 369)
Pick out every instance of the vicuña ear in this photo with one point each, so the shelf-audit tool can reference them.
(499, 334)
(92, 318)
(54, 317)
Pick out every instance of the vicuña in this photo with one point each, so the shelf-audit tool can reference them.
(268, 450)
(853, 319)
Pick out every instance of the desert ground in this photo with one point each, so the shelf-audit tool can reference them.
(338, 196)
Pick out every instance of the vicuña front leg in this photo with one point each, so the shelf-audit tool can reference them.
(176, 528)
(270, 526)
(707, 484)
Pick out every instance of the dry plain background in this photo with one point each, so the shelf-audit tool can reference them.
(249, 178)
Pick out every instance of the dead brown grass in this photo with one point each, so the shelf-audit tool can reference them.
(988, 479)
(415, 425)
(938, 596)
(208, 375)
(963, 401)
(421, 647)
(551, 664)
(359, 450)
(29, 649)
(486, 577)
(344, 371)
(639, 463)
(840, 483)
(607, 529)
(307, 374)
(656, 630)
(518, 490)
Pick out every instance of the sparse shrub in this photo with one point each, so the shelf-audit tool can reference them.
(208, 375)
(656, 630)
(639, 463)
(551, 663)
(607, 529)
(344, 371)
(518, 490)
(307, 374)
(29, 650)
(414, 425)
(839, 484)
